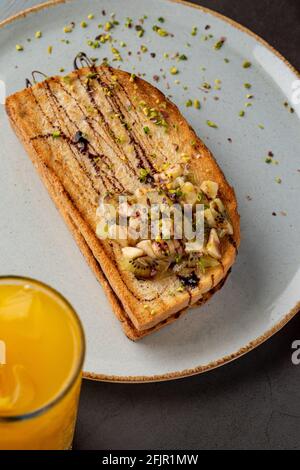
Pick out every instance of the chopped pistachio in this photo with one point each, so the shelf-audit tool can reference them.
(143, 175)
(248, 105)
(38, 34)
(189, 103)
(50, 49)
(160, 31)
(144, 48)
(278, 180)
(19, 48)
(174, 70)
(226, 60)
(261, 126)
(108, 26)
(123, 44)
(83, 24)
(166, 55)
(197, 104)
(161, 19)
(268, 160)
(61, 70)
(247, 64)
(91, 16)
(249, 97)
(194, 31)
(67, 79)
(93, 44)
(219, 44)
(114, 50)
(68, 29)
(247, 86)
(132, 77)
(242, 113)
(182, 57)
(212, 124)
(128, 23)
(146, 130)
(206, 86)
(91, 75)
(56, 134)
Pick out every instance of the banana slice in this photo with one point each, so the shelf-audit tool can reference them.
(131, 252)
(209, 217)
(210, 189)
(213, 245)
(189, 193)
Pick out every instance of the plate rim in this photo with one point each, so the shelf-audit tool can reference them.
(269, 333)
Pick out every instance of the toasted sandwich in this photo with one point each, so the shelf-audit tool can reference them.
(99, 134)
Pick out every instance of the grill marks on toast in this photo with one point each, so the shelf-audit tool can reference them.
(108, 181)
(103, 149)
(139, 122)
(92, 122)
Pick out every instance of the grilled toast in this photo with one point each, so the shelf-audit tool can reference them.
(94, 133)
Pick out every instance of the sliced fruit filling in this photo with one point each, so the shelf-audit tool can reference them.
(150, 226)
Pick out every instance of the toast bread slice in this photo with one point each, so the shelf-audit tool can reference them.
(105, 104)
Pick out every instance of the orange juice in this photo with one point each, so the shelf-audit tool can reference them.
(41, 355)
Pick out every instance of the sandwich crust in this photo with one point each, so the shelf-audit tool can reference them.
(105, 104)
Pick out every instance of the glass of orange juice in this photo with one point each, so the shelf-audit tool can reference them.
(41, 356)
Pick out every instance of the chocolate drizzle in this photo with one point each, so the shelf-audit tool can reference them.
(82, 60)
(143, 160)
(109, 182)
(233, 242)
(28, 82)
(81, 141)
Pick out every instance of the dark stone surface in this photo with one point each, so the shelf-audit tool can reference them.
(251, 403)
(276, 21)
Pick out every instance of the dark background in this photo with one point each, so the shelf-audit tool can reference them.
(253, 403)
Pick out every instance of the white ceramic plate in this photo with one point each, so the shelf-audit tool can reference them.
(262, 293)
